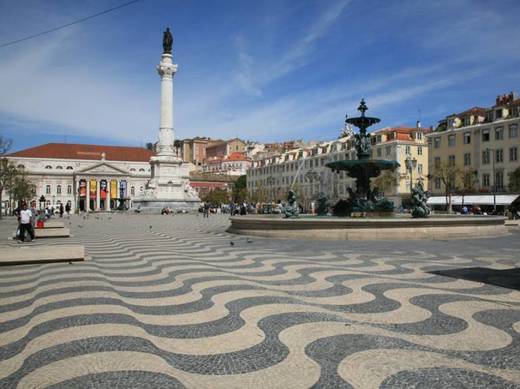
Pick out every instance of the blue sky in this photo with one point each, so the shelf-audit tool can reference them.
(263, 70)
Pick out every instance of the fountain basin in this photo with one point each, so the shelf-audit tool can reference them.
(393, 228)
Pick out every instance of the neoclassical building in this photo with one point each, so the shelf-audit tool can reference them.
(90, 177)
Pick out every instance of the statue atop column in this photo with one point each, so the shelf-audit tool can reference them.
(167, 41)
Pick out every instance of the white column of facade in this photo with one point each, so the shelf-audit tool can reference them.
(98, 193)
(87, 197)
(107, 200)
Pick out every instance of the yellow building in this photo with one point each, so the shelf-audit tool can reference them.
(400, 144)
(480, 141)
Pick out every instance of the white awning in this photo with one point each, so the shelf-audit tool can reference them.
(501, 199)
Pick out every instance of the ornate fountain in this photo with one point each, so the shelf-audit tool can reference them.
(363, 200)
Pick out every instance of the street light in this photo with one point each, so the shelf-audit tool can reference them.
(494, 180)
(410, 163)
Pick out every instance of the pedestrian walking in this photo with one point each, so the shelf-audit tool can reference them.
(67, 208)
(62, 210)
(26, 217)
(206, 209)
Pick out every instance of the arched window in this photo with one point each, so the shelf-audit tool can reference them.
(20, 166)
(141, 170)
(69, 189)
(47, 189)
(69, 168)
(59, 167)
(58, 189)
(132, 190)
(132, 169)
(48, 167)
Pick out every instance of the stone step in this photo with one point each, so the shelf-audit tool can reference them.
(31, 254)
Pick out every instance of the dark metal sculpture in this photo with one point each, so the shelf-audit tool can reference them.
(167, 42)
(363, 199)
(323, 206)
(291, 209)
(420, 208)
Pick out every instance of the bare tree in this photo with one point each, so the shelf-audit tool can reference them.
(386, 181)
(7, 169)
(467, 183)
(5, 145)
(450, 176)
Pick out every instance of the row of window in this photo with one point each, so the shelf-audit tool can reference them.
(486, 136)
(69, 190)
(57, 167)
(485, 182)
(486, 157)
(58, 189)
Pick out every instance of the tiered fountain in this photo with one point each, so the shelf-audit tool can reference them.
(364, 201)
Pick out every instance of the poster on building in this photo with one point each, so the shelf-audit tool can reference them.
(93, 189)
(103, 189)
(82, 188)
(122, 189)
(113, 189)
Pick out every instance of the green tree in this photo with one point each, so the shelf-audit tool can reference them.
(22, 189)
(216, 197)
(239, 193)
(514, 180)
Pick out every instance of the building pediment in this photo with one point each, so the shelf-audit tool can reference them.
(103, 168)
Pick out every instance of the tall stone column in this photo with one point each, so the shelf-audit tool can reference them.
(98, 195)
(166, 70)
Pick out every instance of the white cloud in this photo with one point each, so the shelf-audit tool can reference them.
(253, 79)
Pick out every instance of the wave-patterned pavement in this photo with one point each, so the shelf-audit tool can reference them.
(175, 302)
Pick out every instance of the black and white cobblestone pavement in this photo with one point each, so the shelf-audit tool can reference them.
(168, 302)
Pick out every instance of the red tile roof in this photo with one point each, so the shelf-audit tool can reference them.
(237, 156)
(91, 152)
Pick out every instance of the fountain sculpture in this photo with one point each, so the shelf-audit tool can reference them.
(363, 200)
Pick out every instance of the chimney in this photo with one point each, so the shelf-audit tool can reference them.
(418, 124)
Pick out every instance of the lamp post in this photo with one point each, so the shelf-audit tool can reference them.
(410, 163)
(270, 182)
(494, 180)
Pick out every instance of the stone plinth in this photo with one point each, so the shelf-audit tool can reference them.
(370, 229)
(53, 224)
(41, 254)
(51, 233)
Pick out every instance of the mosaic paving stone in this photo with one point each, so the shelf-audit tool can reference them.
(178, 306)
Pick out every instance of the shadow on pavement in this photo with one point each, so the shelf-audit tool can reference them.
(506, 278)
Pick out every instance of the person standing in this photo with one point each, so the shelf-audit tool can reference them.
(206, 209)
(67, 208)
(34, 212)
(26, 217)
(62, 210)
